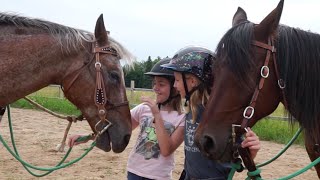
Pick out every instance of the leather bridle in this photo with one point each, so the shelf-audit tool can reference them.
(264, 73)
(100, 97)
(239, 130)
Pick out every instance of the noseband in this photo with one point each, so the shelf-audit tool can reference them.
(100, 97)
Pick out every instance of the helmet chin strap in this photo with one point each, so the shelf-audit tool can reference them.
(188, 93)
(186, 89)
(170, 98)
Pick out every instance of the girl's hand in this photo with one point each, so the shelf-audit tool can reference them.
(252, 142)
(152, 104)
(72, 140)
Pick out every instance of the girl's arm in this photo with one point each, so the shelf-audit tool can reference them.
(168, 144)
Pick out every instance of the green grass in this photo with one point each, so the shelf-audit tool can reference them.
(267, 129)
(49, 97)
(277, 131)
(134, 98)
(61, 106)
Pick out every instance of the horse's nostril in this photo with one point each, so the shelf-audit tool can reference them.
(207, 143)
(127, 138)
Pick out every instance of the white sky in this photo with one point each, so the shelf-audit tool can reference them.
(160, 28)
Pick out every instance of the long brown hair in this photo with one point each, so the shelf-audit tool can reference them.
(198, 97)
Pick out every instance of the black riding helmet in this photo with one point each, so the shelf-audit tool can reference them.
(157, 70)
(194, 60)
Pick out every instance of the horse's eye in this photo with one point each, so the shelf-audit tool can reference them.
(114, 76)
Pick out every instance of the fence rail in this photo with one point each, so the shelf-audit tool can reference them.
(132, 90)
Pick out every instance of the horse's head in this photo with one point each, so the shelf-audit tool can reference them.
(95, 84)
(245, 83)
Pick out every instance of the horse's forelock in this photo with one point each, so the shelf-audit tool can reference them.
(124, 54)
(234, 51)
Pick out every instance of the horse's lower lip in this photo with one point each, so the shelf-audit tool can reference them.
(103, 142)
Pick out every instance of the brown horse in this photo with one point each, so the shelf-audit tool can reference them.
(257, 67)
(36, 53)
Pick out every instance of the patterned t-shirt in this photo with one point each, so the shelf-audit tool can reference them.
(145, 159)
(196, 165)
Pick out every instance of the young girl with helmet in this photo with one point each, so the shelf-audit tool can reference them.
(192, 68)
(161, 130)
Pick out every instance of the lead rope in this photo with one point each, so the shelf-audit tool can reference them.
(60, 147)
(26, 165)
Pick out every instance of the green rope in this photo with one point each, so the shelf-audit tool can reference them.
(234, 167)
(51, 169)
(283, 150)
(315, 162)
(252, 174)
(255, 174)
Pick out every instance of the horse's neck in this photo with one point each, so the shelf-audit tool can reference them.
(27, 64)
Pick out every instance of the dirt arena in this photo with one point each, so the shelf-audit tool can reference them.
(37, 134)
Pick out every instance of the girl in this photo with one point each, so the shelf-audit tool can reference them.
(192, 68)
(161, 131)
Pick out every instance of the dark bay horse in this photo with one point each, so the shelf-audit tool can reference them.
(36, 53)
(257, 67)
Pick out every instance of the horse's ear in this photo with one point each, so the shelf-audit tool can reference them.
(100, 31)
(239, 17)
(269, 24)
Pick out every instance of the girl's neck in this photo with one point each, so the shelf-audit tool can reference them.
(166, 107)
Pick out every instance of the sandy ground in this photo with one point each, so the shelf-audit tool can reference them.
(37, 134)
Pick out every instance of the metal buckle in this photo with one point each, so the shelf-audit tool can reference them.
(262, 71)
(281, 83)
(245, 112)
(97, 64)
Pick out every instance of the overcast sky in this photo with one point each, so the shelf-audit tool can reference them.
(162, 27)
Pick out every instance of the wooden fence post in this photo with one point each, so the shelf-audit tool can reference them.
(132, 90)
(61, 94)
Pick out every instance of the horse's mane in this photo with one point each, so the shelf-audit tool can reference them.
(70, 39)
(299, 65)
(298, 58)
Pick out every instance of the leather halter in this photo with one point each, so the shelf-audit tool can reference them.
(100, 97)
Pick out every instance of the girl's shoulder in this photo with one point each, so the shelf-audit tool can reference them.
(140, 107)
(173, 116)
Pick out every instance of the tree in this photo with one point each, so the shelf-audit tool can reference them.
(137, 73)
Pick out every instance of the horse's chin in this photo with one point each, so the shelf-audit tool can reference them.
(106, 144)
(225, 158)
(221, 156)
(103, 142)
